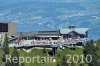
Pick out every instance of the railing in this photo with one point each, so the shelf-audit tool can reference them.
(47, 42)
(76, 40)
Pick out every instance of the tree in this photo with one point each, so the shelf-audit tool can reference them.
(15, 54)
(72, 64)
(5, 45)
(64, 61)
(58, 64)
(22, 64)
(8, 63)
(81, 64)
(91, 50)
(44, 50)
(5, 48)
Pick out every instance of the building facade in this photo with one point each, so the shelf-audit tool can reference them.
(65, 33)
(9, 28)
(54, 34)
(73, 32)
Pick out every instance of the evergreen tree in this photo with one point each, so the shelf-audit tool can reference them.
(22, 64)
(91, 50)
(8, 63)
(5, 48)
(64, 61)
(5, 45)
(4, 58)
(44, 50)
(58, 64)
(72, 64)
(15, 54)
(81, 64)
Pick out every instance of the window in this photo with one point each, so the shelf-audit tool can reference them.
(3, 27)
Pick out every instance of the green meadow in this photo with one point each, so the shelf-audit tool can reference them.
(58, 57)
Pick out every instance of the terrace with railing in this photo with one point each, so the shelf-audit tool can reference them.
(43, 42)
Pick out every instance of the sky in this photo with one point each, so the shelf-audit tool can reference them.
(92, 6)
(5, 2)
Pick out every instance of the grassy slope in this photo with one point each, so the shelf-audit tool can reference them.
(39, 52)
(58, 56)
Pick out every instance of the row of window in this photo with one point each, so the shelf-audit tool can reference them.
(3, 27)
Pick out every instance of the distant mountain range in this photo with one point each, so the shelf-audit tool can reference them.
(32, 15)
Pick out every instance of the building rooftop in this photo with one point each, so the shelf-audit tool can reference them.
(78, 30)
(38, 33)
